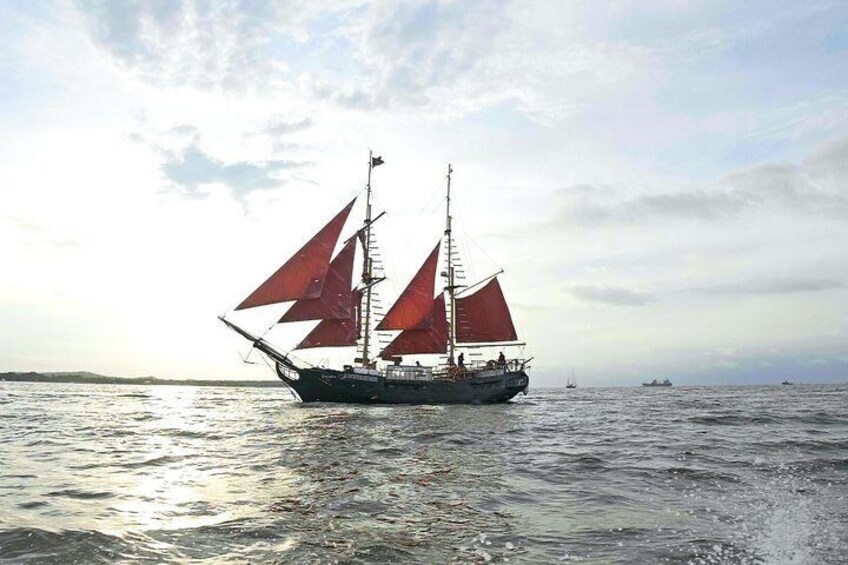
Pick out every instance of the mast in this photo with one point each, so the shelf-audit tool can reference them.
(367, 266)
(451, 286)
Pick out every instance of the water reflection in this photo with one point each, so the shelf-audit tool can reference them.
(382, 482)
(172, 474)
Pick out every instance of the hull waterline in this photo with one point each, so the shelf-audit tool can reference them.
(328, 385)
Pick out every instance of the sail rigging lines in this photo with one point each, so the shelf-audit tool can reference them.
(430, 320)
(438, 326)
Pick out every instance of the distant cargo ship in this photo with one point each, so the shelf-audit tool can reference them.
(655, 382)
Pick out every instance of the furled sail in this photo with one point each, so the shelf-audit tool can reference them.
(413, 310)
(335, 332)
(334, 301)
(484, 316)
(302, 276)
(429, 340)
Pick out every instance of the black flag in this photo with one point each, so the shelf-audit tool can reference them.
(376, 161)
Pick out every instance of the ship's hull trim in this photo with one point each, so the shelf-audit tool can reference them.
(329, 385)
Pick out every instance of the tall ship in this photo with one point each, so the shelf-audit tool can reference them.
(440, 323)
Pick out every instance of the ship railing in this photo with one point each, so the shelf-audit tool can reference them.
(508, 366)
(454, 373)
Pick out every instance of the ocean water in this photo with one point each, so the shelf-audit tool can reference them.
(131, 474)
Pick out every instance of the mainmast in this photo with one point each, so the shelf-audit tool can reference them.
(451, 287)
(367, 266)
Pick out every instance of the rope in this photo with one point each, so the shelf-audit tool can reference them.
(245, 358)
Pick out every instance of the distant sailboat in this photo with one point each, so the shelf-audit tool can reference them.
(572, 381)
(320, 287)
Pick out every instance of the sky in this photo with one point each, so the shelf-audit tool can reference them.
(664, 183)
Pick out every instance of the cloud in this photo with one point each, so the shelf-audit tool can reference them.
(611, 295)
(773, 286)
(193, 168)
(185, 130)
(188, 167)
(280, 126)
(549, 61)
(813, 188)
(164, 140)
(205, 44)
(345, 94)
(280, 132)
(454, 58)
(442, 57)
(829, 165)
(822, 115)
(36, 234)
(694, 205)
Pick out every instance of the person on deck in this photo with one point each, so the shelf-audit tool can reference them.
(461, 360)
(501, 359)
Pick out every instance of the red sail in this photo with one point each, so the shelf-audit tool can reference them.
(430, 340)
(414, 308)
(484, 316)
(334, 302)
(335, 333)
(302, 276)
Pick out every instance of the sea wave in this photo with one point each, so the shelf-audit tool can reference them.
(181, 475)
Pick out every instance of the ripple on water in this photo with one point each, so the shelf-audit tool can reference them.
(723, 475)
(75, 546)
(155, 461)
(80, 494)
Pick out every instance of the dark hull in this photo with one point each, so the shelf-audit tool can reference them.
(328, 385)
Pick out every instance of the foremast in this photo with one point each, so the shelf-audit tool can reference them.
(368, 280)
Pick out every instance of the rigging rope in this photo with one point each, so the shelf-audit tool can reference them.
(245, 358)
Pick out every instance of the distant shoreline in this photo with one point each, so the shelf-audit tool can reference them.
(84, 377)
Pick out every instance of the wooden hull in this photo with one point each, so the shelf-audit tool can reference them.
(481, 387)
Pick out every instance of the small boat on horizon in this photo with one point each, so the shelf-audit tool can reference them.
(787, 383)
(572, 381)
(655, 382)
